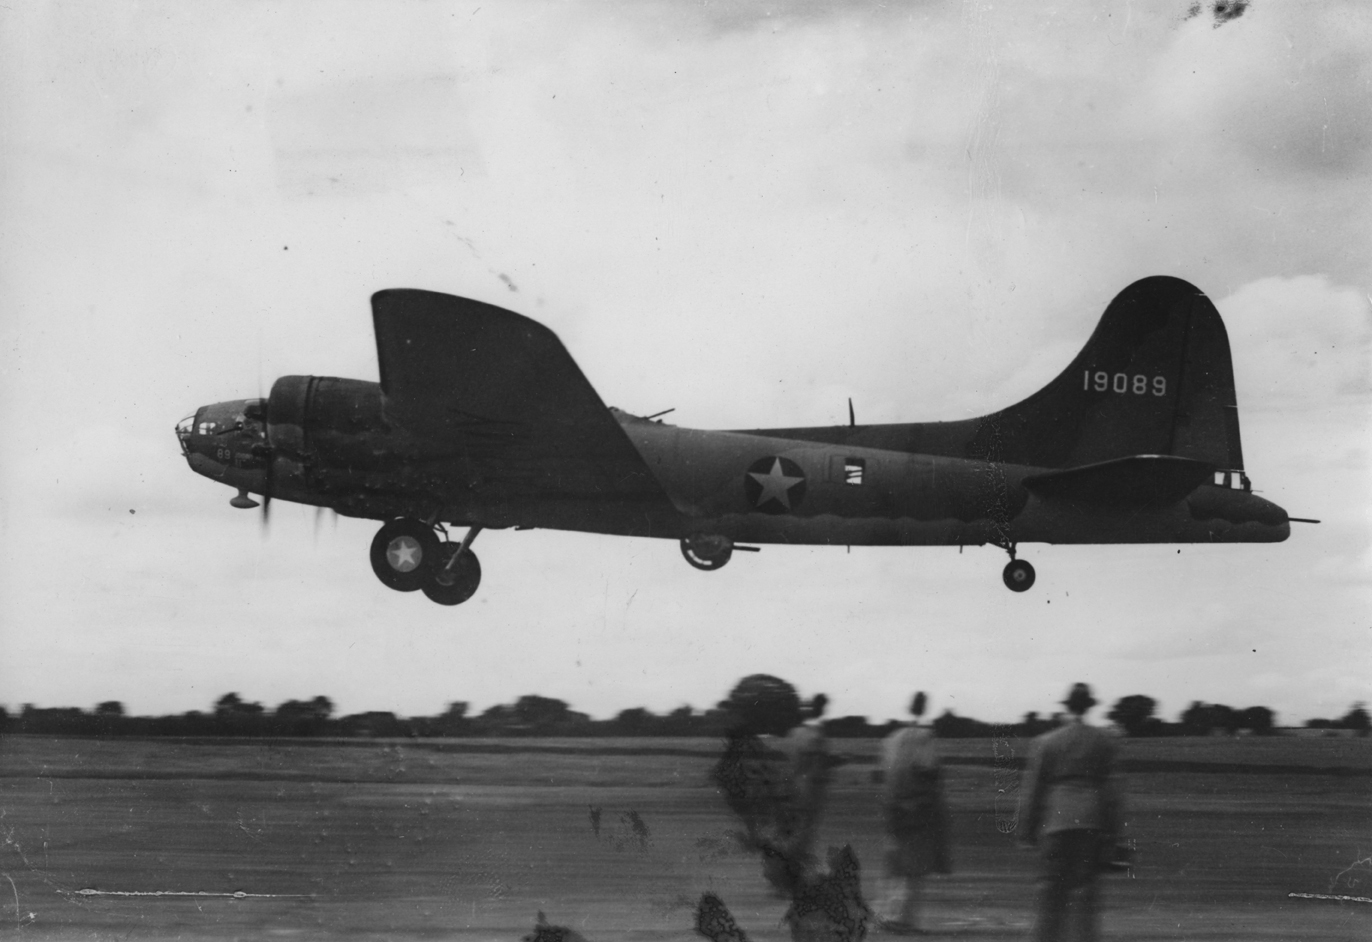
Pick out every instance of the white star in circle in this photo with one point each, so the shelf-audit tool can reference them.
(776, 485)
(404, 553)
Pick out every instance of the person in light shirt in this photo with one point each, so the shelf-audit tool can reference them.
(916, 820)
(811, 772)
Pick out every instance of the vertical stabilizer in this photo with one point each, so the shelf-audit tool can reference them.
(1154, 379)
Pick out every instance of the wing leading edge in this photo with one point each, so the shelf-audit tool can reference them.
(501, 391)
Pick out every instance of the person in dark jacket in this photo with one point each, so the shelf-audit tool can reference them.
(1070, 809)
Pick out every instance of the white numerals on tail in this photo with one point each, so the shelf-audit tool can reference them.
(1138, 384)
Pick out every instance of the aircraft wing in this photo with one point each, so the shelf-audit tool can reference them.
(500, 392)
(1132, 481)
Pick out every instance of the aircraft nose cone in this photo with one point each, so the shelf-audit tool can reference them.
(184, 429)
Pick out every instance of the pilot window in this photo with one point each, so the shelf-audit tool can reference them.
(853, 469)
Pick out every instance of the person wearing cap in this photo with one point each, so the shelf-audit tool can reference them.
(1070, 808)
(811, 772)
(916, 820)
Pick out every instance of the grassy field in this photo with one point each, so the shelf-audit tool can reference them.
(471, 838)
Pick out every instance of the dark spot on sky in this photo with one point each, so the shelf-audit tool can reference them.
(508, 283)
(131, 510)
(1226, 10)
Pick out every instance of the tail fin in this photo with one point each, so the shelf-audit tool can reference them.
(1154, 379)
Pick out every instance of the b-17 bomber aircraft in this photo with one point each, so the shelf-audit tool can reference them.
(482, 420)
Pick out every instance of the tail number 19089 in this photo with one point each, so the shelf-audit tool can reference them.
(1138, 384)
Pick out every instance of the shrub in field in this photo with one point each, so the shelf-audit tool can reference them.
(1258, 719)
(951, 726)
(1357, 719)
(1203, 719)
(1132, 713)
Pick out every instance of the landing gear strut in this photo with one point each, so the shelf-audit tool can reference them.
(407, 556)
(1018, 574)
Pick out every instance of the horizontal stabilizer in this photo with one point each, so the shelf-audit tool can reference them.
(1132, 481)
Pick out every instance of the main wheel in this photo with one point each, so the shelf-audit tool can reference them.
(403, 554)
(707, 551)
(455, 586)
(1018, 575)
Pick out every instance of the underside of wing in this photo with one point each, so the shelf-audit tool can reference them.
(499, 393)
(1133, 481)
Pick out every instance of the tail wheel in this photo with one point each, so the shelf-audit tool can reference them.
(707, 551)
(403, 554)
(1018, 575)
(455, 585)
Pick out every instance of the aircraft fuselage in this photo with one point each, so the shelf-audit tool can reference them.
(482, 419)
(749, 487)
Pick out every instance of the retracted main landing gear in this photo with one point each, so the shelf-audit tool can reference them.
(1018, 574)
(707, 551)
(407, 556)
(710, 551)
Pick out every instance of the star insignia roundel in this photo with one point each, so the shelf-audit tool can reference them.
(404, 554)
(774, 485)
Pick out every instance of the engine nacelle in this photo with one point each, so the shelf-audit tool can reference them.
(334, 420)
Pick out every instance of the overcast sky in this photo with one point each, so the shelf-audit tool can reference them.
(746, 211)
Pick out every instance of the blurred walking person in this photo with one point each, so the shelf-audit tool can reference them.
(1070, 808)
(916, 820)
(811, 772)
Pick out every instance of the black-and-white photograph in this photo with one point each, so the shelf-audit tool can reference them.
(569, 471)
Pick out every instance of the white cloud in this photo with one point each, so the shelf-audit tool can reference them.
(1300, 343)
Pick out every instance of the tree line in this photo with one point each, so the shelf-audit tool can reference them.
(534, 715)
